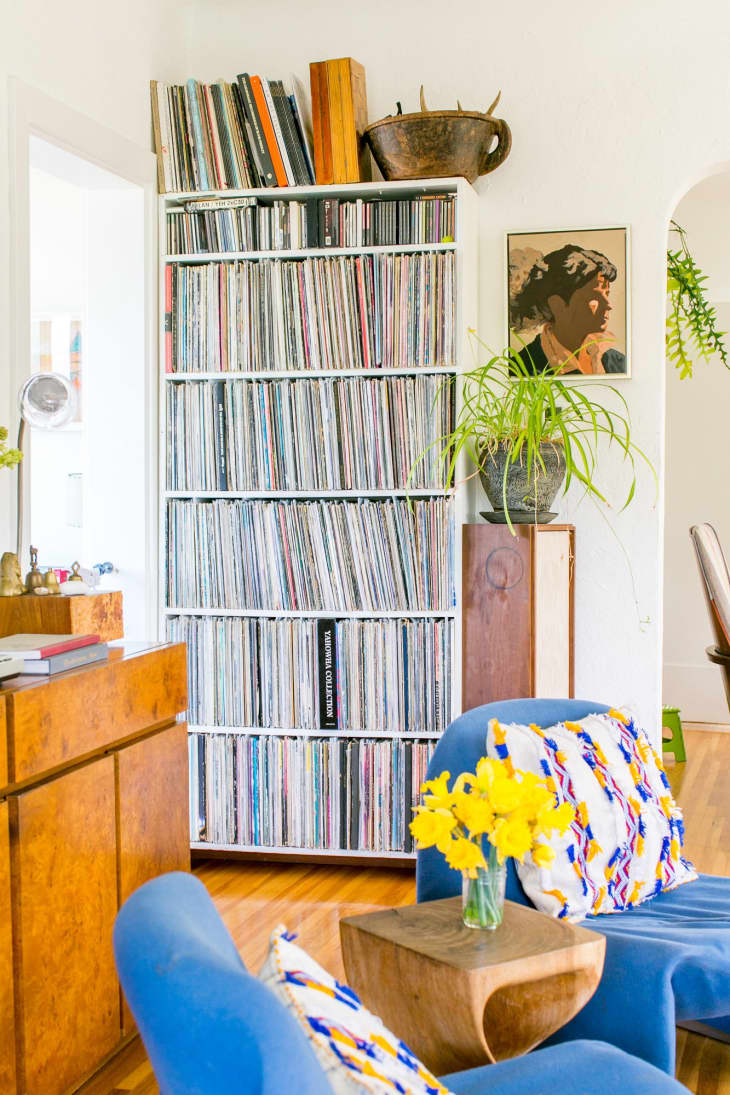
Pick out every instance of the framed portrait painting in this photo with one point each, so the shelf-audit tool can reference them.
(568, 302)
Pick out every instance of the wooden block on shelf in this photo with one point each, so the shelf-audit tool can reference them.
(348, 117)
(92, 614)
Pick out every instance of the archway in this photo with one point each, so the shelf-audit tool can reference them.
(697, 458)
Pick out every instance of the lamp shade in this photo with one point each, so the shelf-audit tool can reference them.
(47, 401)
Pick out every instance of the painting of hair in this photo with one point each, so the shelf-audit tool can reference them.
(567, 298)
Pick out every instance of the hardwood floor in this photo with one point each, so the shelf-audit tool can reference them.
(254, 897)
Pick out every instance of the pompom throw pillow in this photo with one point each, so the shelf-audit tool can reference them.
(358, 1053)
(625, 845)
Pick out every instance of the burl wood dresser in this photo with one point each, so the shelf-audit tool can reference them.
(93, 802)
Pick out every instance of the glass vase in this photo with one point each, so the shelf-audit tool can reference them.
(482, 898)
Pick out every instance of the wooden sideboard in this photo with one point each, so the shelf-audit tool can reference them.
(93, 802)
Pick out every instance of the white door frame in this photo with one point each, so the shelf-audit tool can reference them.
(32, 113)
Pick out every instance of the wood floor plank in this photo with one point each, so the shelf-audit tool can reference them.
(254, 897)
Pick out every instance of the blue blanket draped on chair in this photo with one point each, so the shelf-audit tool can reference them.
(666, 961)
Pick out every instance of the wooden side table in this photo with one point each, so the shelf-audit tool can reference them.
(461, 997)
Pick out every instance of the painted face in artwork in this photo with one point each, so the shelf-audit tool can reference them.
(586, 313)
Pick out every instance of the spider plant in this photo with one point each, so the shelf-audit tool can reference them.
(517, 419)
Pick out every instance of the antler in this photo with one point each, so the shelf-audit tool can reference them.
(424, 108)
(491, 108)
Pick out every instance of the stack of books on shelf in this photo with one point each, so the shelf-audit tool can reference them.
(311, 556)
(349, 312)
(389, 676)
(339, 118)
(43, 655)
(247, 224)
(317, 793)
(349, 433)
(222, 136)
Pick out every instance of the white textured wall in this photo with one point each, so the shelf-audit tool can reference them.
(96, 57)
(697, 459)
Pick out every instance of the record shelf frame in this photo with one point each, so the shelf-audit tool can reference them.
(465, 248)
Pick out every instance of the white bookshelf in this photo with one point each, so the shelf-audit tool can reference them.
(464, 248)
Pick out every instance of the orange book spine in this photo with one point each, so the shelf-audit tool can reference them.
(269, 135)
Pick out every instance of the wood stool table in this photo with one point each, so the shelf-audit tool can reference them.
(461, 997)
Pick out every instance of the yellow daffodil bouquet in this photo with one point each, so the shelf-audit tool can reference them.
(487, 816)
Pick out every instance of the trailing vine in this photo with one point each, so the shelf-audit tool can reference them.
(692, 321)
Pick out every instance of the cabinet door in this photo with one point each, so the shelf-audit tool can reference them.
(497, 614)
(7, 1009)
(154, 830)
(65, 901)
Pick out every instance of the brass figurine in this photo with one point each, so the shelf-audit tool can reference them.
(34, 578)
(11, 576)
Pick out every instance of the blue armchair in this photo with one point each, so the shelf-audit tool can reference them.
(667, 961)
(210, 1028)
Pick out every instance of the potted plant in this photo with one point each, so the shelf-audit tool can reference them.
(528, 434)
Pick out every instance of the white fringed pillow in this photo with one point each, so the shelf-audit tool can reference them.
(625, 845)
(358, 1053)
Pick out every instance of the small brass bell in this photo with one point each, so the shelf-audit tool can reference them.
(34, 578)
(50, 581)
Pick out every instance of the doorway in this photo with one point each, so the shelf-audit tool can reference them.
(697, 458)
(86, 308)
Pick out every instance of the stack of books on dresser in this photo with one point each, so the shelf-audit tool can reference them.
(43, 655)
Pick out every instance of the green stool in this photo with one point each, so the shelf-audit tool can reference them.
(675, 744)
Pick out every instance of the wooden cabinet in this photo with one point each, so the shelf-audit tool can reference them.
(93, 802)
(518, 612)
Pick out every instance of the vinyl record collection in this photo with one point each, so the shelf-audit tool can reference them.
(294, 792)
(317, 598)
(350, 312)
(388, 676)
(347, 433)
(311, 556)
(248, 224)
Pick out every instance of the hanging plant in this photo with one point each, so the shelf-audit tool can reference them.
(692, 321)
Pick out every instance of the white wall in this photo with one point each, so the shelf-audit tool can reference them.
(98, 58)
(609, 113)
(697, 459)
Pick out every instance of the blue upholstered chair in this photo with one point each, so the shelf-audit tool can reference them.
(667, 961)
(210, 1028)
